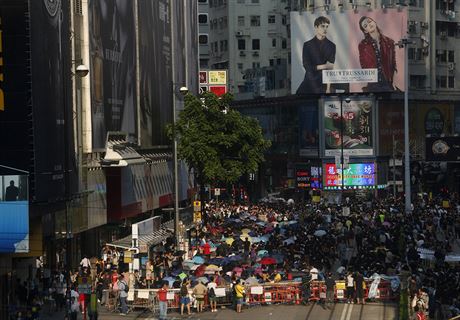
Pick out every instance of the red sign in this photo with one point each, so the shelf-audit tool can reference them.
(218, 90)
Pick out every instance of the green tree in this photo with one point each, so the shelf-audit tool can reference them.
(218, 142)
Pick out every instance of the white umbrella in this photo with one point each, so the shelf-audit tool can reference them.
(319, 233)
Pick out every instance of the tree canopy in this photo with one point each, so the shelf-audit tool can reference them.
(219, 143)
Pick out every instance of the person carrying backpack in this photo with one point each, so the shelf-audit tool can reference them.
(212, 294)
(123, 290)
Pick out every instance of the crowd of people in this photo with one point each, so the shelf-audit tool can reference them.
(250, 244)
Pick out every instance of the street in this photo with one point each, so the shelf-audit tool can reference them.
(339, 311)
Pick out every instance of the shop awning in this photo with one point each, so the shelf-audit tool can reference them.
(145, 241)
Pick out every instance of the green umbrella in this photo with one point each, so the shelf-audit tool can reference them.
(182, 276)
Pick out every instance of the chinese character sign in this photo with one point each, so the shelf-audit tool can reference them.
(354, 120)
(357, 174)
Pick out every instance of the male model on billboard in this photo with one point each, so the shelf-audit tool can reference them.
(318, 55)
(377, 51)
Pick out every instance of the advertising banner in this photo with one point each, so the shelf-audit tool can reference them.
(443, 149)
(155, 68)
(354, 120)
(308, 130)
(55, 164)
(357, 174)
(113, 69)
(347, 51)
(308, 177)
(391, 128)
(14, 214)
(15, 79)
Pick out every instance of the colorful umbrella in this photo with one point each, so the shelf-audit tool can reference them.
(198, 260)
(229, 241)
(319, 233)
(267, 261)
(182, 276)
(262, 253)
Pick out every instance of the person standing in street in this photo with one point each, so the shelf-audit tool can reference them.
(123, 291)
(350, 287)
(239, 292)
(163, 300)
(359, 288)
(184, 297)
(330, 289)
(199, 292)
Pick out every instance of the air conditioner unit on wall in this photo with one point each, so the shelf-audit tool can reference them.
(239, 33)
(451, 66)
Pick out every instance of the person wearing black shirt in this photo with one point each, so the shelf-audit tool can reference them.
(11, 192)
(318, 54)
(330, 289)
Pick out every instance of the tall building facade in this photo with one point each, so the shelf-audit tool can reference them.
(250, 39)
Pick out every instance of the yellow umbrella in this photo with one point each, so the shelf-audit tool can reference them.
(244, 236)
(245, 231)
(229, 241)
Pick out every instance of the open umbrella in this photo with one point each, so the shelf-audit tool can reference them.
(245, 230)
(235, 258)
(262, 253)
(170, 280)
(252, 281)
(217, 261)
(198, 259)
(267, 261)
(204, 280)
(319, 233)
(187, 264)
(182, 276)
(244, 236)
(229, 241)
(213, 268)
(278, 257)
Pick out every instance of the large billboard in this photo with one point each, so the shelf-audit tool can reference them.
(349, 51)
(15, 102)
(55, 164)
(14, 214)
(357, 174)
(113, 69)
(352, 119)
(442, 149)
(308, 130)
(155, 68)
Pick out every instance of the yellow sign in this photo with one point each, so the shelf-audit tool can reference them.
(196, 205)
(217, 77)
(197, 216)
(316, 199)
(340, 285)
(128, 257)
(445, 204)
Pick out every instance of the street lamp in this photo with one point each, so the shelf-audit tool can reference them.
(183, 90)
(347, 100)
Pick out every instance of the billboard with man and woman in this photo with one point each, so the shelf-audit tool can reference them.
(349, 51)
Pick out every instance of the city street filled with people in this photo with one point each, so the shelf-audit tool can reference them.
(244, 245)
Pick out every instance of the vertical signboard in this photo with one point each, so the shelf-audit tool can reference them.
(155, 70)
(347, 51)
(354, 121)
(14, 214)
(113, 72)
(15, 120)
(308, 130)
(51, 98)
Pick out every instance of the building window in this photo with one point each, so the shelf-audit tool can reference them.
(202, 1)
(223, 45)
(283, 20)
(203, 39)
(202, 18)
(274, 43)
(278, 61)
(451, 56)
(255, 44)
(284, 44)
(240, 21)
(240, 1)
(445, 82)
(241, 44)
(240, 66)
(256, 65)
(417, 81)
(255, 21)
(254, 1)
(271, 62)
(271, 19)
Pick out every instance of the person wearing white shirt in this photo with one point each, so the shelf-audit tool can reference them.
(350, 287)
(212, 295)
(314, 274)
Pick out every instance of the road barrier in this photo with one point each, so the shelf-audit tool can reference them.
(267, 293)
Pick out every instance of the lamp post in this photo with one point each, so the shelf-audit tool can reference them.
(404, 43)
(342, 120)
(183, 90)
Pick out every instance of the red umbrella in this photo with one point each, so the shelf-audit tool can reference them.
(199, 272)
(267, 260)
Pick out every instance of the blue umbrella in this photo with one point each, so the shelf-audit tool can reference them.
(264, 238)
(252, 218)
(170, 280)
(278, 257)
(204, 280)
(198, 260)
(261, 223)
(235, 258)
(262, 253)
(217, 261)
(255, 240)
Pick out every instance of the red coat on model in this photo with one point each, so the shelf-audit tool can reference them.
(368, 56)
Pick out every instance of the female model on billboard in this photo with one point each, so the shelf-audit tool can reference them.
(377, 51)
